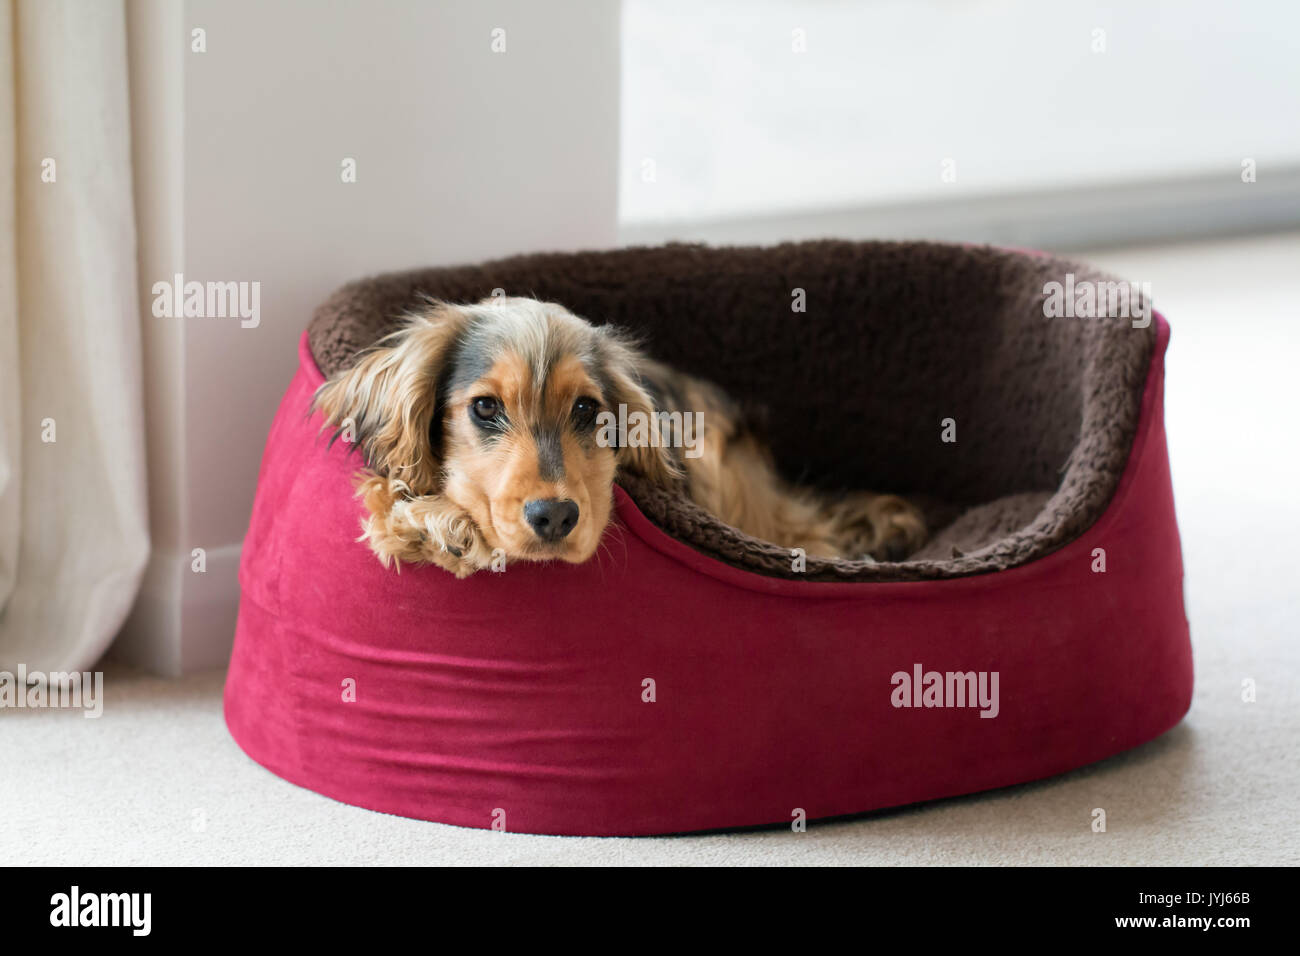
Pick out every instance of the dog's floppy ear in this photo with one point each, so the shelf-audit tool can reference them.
(623, 380)
(387, 402)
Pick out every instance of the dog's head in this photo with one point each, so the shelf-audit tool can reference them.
(496, 407)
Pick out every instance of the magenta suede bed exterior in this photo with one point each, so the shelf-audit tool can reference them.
(516, 699)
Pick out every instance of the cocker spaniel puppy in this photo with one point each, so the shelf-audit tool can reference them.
(498, 429)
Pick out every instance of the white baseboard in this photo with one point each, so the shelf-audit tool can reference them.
(183, 620)
(1056, 220)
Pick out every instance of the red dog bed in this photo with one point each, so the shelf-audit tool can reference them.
(690, 678)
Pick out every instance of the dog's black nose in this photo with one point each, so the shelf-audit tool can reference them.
(551, 518)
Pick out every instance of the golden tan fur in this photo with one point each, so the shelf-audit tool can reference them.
(736, 479)
(445, 486)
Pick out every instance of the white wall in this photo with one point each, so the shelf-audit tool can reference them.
(740, 125)
(462, 154)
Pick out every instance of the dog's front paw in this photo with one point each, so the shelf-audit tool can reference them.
(453, 541)
(420, 529)
(899, 528)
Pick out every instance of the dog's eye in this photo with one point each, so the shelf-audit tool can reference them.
(584, 409)
(486, 408)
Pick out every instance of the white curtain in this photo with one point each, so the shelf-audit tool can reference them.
(73, 511)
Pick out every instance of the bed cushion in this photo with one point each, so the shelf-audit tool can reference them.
(905, 335)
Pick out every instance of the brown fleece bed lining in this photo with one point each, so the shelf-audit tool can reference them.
(896, 337)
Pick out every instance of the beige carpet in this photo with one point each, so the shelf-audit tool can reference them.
(158, 780)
